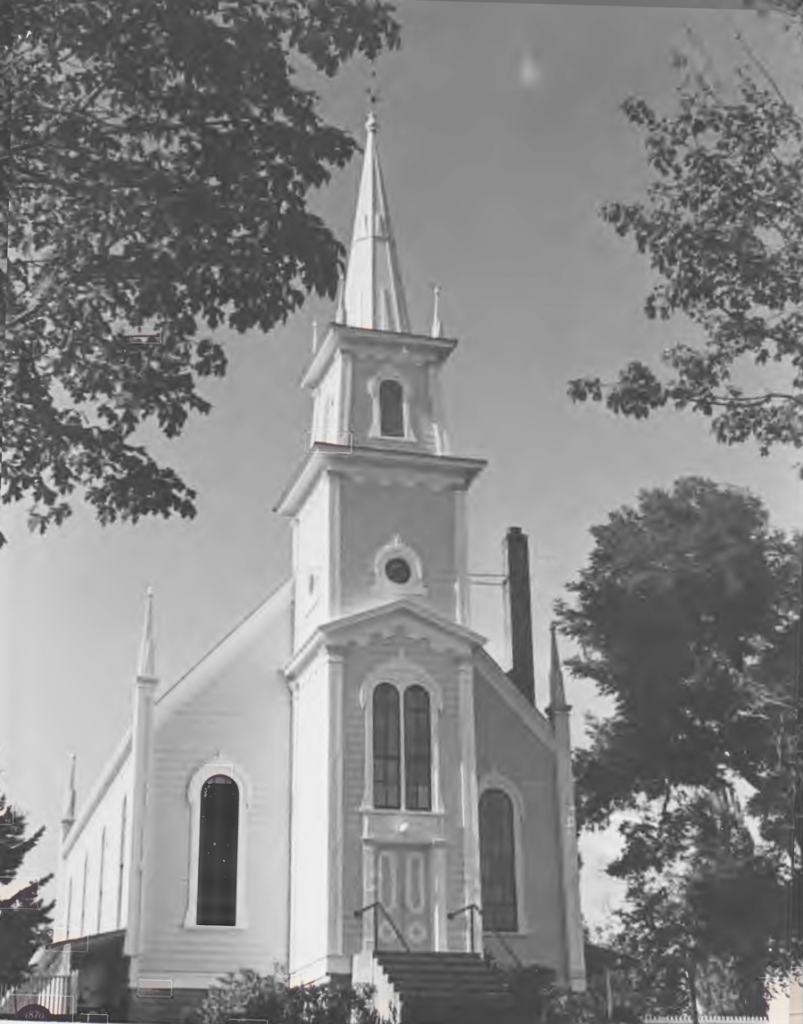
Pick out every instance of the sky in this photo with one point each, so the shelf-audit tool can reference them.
(500, 137)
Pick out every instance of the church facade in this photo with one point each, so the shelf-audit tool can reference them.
(348, 769)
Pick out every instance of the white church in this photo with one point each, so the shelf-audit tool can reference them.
(347, 786)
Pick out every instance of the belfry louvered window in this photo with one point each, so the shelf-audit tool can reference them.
(498, 862)
(387, 747)
(417, 750)
(217, 851)
(391, 409)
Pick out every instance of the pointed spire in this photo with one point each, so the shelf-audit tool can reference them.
(69, 800)
(557, 692)
(146, 666)
(373, 295)
(314, 335)
(437, 324)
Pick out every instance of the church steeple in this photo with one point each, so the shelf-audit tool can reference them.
(373, 294)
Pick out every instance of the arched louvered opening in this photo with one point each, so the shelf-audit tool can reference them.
(391, 409)
(387, 747)
(498, 862)
(417, 750)
(217, 851)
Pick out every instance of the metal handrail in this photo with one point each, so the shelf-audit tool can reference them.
(373, 906)
(473, 909)
(505, 946)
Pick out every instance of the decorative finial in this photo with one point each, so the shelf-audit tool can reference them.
(557, 693)
(437, 325)
(69, 802)
(340, 309)
(371, 123)
(314, 335)
(146, 665)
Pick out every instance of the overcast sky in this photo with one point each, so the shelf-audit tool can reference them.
(500, 137)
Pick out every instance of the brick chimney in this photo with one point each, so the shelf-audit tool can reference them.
(518, 614)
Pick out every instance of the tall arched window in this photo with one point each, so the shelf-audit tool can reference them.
(417, 750)
(217, 852)
(391, 409)
(498, 862)
(387, 747)
(121, 865)
(100, 876)
(83, 894)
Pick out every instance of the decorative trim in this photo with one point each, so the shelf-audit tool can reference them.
(383, 587)
(402, 673)
(335, 534)
(472, 880)
(218, 766)
(462, 588)
(495, 780)
(336, 829)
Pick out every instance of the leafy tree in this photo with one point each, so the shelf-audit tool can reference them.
(161, 158)
(687, 617)
(250, 995)
(23, 919)
(722, 227)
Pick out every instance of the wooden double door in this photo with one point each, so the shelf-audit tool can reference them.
(404, 888)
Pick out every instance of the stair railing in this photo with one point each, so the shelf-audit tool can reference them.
(375, 906)
(506, 946)
(471, 909)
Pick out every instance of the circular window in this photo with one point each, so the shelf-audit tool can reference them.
(398, 570)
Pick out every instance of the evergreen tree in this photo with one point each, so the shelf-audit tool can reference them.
(24, 920)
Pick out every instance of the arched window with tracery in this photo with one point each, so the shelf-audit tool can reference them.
(417, 750)
(498, 862)
(391, 409)
(387, 747)
(217, 851)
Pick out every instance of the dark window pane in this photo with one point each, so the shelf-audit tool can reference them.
(498, 862)
(387, 767)
(391, 408)
(417, 753)
(217, 854)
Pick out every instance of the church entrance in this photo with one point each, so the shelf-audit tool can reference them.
(404, 889)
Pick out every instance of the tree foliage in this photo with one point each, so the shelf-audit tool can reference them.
(687, 617)
(253, 996)
(161, 158)
(23, 919)
(722, 227)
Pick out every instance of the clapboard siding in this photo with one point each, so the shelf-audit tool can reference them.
(85, 846)
(239, 710)
(505, 745)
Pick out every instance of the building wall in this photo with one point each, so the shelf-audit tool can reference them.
(237, 710)
(371, 515)
(311, 531)
(310, 823)
(417, 377)
(84, 844)
(507, 747)
(360, 663)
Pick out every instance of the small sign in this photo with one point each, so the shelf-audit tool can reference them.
(33, 1011)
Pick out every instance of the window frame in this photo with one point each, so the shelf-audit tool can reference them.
(495, 780)
(218, 766)
(402, 674)
(374, 388)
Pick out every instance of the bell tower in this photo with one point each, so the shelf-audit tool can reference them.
(378, 502)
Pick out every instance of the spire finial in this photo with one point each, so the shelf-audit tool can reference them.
(557, 692)
(146, 665)
(437, 324)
